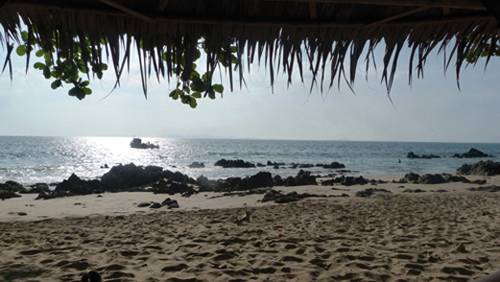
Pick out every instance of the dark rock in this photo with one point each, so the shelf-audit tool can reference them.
(345, 180)
(155, 205)
(205, 184)
(431, 179)
(233, 164)
(269, 163)
(412, 155)
(259, 180)
(76, 186)
(143, 204)
(479, 181)
(278, 181)
(170, 204)
(38, 188)
(454, 178)
(334, 165)
(10, 189)
(487, 168)
(473, 153)
(302, 178)
(22, 213)
(280, 198)
(414, 191)
(197, 165)
(165, 186)
(260, 165)
(422, 179)
(7, 195)
(485, 189)
(370, 191)
(122, 177)
(47, 195)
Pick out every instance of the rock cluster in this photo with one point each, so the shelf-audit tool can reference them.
(243, 164)
(279, 197)
(259, 180)
(302, 178)
(485, 189)
(411, 155)
(473, 153)
(345, 180)
(370, 192)
(481, 168)
(233, 164)
(434, 179)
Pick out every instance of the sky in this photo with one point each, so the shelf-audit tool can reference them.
(432, 110)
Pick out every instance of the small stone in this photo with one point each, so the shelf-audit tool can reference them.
(155, 206)
(143, 204)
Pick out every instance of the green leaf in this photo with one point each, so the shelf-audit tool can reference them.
(193, 103)
(187, 90)
(218, 88)
(46, 72)
(104, 67)
(21, 50)
(56, 84)
(24, 36)
(196, 95)
(77, 92)
(87, 91)
(86, 83)
(40, 53)
(211, 95)
(39, 66)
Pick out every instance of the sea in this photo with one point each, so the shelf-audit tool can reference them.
(31, 160)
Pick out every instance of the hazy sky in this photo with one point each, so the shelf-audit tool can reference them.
(432, 110)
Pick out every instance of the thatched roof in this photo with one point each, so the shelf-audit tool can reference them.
(283, 34)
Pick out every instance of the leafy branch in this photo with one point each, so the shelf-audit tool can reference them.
(72, 68)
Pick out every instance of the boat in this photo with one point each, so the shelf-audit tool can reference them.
(137, 144)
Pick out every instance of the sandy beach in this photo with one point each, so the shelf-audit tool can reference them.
(429, 236)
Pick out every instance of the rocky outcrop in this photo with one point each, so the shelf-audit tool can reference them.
(370, 192)
(124, 177)
(170, 204)
(411, 155)
(487, 168)
(302, 178)
(473, 153)
(278, 197)
(121, 177)
(260, 180)
(345, 180)
(431, 178)
(8, 191)
(76, 186)
(233, 164)
(485, 189)
(197, 165)
(270, 163)
(333, 165)
(167, 186)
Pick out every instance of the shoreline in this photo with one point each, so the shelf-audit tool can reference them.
(125, 203)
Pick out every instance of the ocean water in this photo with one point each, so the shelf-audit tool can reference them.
(30, 160)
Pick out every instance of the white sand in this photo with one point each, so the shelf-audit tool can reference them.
(429, 236)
